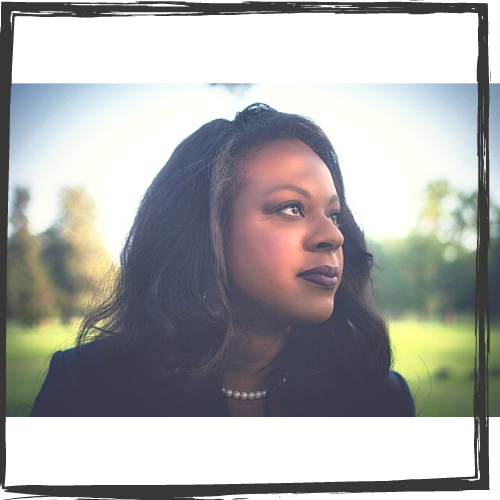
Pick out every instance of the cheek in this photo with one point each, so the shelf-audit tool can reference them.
(263, 251)
(340, 256)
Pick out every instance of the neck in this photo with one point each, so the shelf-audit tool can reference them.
(251, 355)
(254, 348)
(256, 344)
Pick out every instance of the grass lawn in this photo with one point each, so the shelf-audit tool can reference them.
(436, 359)
(28, 353)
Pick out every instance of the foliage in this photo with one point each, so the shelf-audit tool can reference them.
(494, 262)
(432, 271)
(57, 273)
(30, 296)
(233, 88)
(73, 253)
(433, 211)
(423, 276)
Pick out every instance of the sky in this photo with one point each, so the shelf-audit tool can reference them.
(112, 139)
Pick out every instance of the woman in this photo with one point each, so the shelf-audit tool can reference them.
(243, 291)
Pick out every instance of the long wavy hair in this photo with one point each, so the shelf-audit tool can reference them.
(170, 314)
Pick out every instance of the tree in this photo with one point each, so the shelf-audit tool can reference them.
(233, 88)
(433, 270)
(494, 261)
(433, 215)
(407, 275)
(29, 294)
(73, 253)
(465, 235)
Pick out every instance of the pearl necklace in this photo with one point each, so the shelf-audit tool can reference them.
(246, 395)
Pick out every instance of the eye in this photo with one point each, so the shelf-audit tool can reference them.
(292, 209)
(334, 216)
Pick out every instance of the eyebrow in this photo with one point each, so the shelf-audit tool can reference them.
(297, 189)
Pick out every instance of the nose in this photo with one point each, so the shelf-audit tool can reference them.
(324, 236)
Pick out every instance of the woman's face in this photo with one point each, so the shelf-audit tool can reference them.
(284, 254)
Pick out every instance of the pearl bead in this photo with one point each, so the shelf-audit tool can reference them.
(247, 395)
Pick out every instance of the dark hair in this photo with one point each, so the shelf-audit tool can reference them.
(170, 310)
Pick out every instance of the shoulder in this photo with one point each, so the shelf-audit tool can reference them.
(79, 365)
(78, 382)
(397, 379)
(386, 396)
(99, 380)
(406, 407)
(50, 401)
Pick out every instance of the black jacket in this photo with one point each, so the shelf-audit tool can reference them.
(88, 388)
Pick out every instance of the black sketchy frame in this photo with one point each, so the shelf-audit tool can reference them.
(13, 11)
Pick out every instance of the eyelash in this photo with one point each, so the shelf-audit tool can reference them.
(300, 205)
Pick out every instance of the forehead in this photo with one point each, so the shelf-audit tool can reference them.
(285, 162)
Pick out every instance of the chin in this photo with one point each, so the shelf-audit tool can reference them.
(314, 316)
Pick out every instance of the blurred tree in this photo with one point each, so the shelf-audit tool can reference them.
(465, 236)
(236, 91)
(29, 293)
(465, 214)
(494, 261)
(73, 253)
(387, 280)
(457, 281)
(433, 270)
(233, 88)
(433, 215)
(464, 220)
(406, 275)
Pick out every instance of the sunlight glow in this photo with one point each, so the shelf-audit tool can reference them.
(113, 139)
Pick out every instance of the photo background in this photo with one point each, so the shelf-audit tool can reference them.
(112, 139)
(354, 59)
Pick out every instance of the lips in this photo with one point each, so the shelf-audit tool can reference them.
(324, 276)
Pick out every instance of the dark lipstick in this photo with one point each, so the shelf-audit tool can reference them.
(325, 276)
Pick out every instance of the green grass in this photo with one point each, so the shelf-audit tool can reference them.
(28, 353)
(436, 359)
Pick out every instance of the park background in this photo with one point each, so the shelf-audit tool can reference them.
(81, 156)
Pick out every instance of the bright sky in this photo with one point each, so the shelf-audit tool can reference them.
(113, 139)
